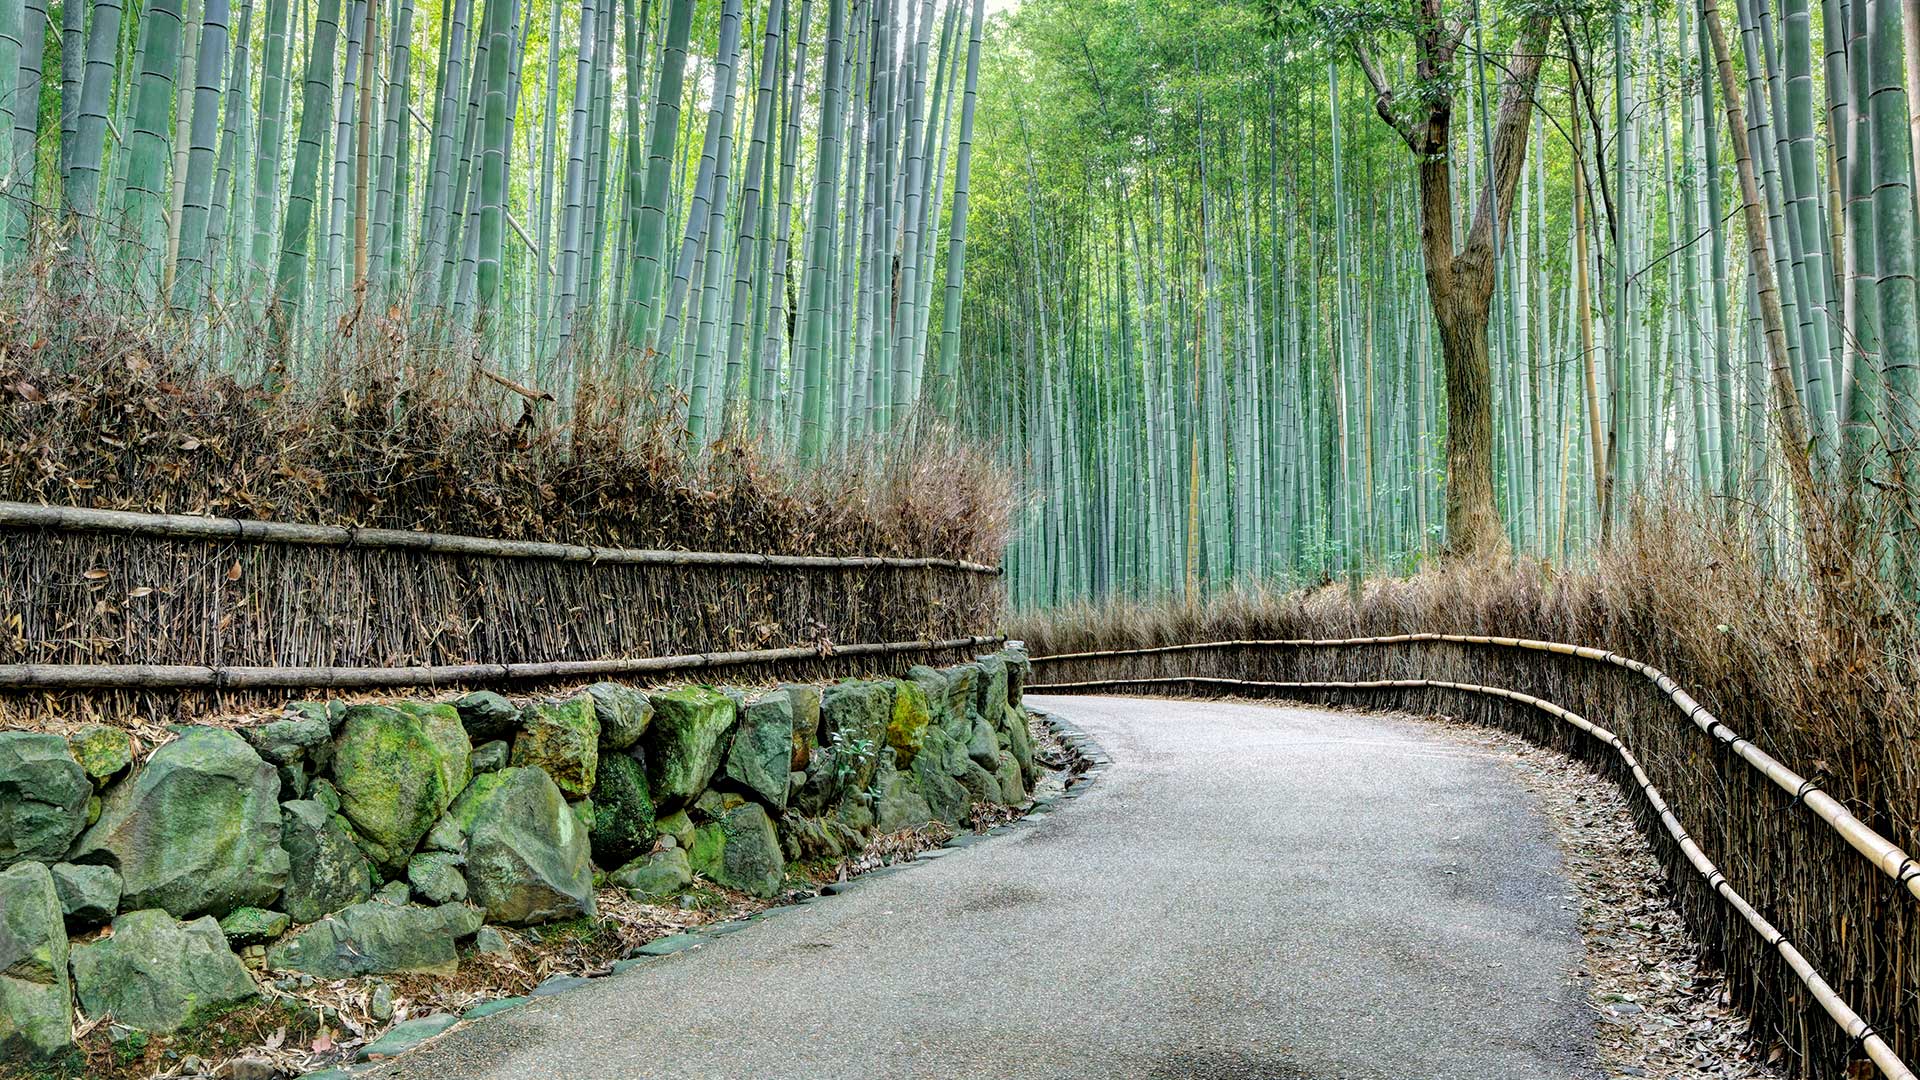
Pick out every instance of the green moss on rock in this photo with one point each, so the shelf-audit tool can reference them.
(623, 812)
(685, 742)
(563, 738)
(36, 1018)
(397, 769)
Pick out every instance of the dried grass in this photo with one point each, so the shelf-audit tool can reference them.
(1824, 680)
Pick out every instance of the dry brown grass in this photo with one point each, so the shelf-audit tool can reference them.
(397, 426)
(1824, 678)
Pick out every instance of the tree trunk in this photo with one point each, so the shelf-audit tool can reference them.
(1473, 524)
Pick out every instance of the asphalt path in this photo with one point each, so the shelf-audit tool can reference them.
(1247, 892)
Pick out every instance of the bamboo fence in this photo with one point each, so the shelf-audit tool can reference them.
(115, 613)
(1793, 855)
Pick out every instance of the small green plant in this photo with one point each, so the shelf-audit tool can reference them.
(846, 757)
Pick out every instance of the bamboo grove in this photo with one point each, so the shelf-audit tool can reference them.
(1202, 234)
(752, 210)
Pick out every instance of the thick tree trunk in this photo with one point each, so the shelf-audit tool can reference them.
(1473, 522)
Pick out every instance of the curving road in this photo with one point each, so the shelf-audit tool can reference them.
(1248, 892)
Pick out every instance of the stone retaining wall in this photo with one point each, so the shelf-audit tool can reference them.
(339, 840)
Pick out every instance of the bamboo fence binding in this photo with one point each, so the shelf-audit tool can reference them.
(18, 515)
(1856, 1027)
(194, 677)
(1885, 855)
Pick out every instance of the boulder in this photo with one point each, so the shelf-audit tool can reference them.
(562, 737)
(398, 768)
(253, 926)
(159, 975)
(900, 804)
(762, 749)
(43, 797)
(328, 870)
(935, 686)
(982, 786)
(379, 939)
(946, 799)
(528, 859)
(89, 895)
(658, 876)
(907, 727)
(487, 716)
(685, 742)
(623, 811)
(854, 718)
(962, 682)
(395, 893)
(990, 693)
(1019, 740)
(196, 831)
(103, 752)
(623, 712)
(436, 878)
(1013, 788)
(679, 826)
(984, 745)
(806, 723)
(740, 850)
(491, 757)
(819, 839)
(299, 738)
(36, 1017)
(1019, 667)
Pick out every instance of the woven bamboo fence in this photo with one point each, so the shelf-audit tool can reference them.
(107, 613)
(1839, 895)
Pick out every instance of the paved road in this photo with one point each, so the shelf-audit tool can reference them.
(1249, 892)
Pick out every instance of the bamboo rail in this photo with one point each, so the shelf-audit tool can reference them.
(1888, 857)
(192, 677)
(1856, 1026)
(18, 515)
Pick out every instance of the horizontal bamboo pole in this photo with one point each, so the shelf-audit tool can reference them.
(17, 515)
(1856, 1027)
(1890, 858)
(195, 677)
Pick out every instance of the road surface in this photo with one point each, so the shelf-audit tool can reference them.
(1248, 892)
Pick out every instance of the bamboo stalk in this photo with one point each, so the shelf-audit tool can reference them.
(191, 527)
(197, 677)
(1831, 1002)
(1887, 856)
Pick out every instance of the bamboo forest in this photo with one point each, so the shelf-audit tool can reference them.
(1244, 291)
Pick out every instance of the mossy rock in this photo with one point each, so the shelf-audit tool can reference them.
(397, 769)
(623, 712)
(528, 857)
(436, 878)
(253, 926)
(196, 831)
(805, 700)
(963, 681)
(623, 812)
(487, 716)
(685, 742)
(1019, 740)
(900, 804)
(89, 895)
(983, 746)
(328, 871)
(907, 728)
(379, 939)
(36, 1016)
(677, 825)
(938, 692)
(103, 752)
(159, 975)
(1013, 788)
(990, 693)
(762, 748)
(660, 875)
(43, 797)
(946, 799)
(562, 737)
(854, 719)
(741, 850)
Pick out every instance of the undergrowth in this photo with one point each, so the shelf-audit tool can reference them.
(392, 424)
